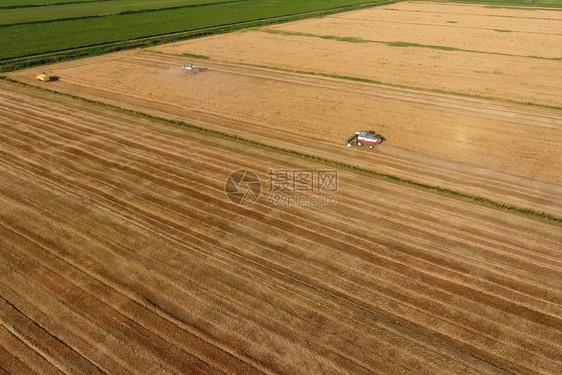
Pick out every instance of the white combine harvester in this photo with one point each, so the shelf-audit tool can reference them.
(190, 68)
(365, 137)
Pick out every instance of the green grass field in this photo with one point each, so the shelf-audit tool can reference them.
(95, 8)
(29, 39)
(31, 3)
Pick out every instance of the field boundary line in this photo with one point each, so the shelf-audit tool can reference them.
(475, 198)
(496, 4)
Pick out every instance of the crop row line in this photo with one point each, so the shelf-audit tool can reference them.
(507, 4)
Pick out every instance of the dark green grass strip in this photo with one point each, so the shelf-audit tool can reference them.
(510, 4)
(309, 35)
(479, 199)
(537, 7)
(444, 48)
(18, 6)
(193, 55)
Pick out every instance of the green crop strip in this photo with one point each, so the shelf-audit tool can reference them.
(474, 198)
(408, 44)
(192, 55)
(510, 4)
(125, 12)
(329, 37)
(32, 5)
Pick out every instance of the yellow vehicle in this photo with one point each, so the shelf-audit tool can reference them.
(44, 77)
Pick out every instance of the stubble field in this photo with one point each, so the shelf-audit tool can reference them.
(120, 252)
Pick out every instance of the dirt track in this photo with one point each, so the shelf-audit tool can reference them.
(120, 253)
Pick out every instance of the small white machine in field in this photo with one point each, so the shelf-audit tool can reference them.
(190, 68)
(365, 137)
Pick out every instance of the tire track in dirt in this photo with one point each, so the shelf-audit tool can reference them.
(397, 223)
(77, 266)
(157, 360)
(43, 342)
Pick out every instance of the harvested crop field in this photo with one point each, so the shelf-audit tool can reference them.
(503, 54)
(472, 73)
(502, 151)
(120, 253)
(439, 252)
